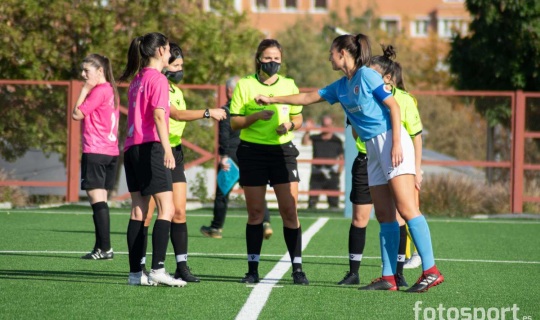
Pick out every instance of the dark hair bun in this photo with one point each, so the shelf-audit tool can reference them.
(389, 51)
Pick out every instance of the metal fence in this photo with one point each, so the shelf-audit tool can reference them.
(512, 160)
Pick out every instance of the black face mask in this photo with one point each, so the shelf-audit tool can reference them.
(175, 77)
(270, 68)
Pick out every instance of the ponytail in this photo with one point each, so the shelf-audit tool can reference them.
(398, 76)
(140, 51)
(363, 56)
(357, 46)
(110, 78)
(134, 60)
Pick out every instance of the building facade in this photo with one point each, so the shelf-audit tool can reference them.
(416, 18)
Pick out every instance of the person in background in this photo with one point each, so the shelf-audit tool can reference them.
(177, 123)
(266, 155)
(97, 108)
(326, 145)
(148, 156)
(229, 140)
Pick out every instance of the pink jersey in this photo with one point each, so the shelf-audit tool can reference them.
(100, 124)
(148, 91)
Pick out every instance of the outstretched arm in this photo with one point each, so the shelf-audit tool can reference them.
(190, 115)
(303, 99)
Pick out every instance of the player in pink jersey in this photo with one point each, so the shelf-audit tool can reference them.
(148, 157)
(177, 122)
(97, 106)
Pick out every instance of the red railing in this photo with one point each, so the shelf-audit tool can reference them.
(516, 165)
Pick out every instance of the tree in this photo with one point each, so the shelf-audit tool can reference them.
(47, 40)
(501, 52)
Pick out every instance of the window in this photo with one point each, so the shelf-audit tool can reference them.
(291, 4)
(215, 5)
(419, 27)
(390, 25)
(448, 27)
(261, 5)
(320, 4)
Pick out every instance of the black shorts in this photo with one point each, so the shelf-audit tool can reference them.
(262, 164)
(145, 171)
(178, 173)
(98, 171)
(360, 187)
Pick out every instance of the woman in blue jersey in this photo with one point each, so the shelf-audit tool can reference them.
(373, 112)
(266, 155)
(360, 195)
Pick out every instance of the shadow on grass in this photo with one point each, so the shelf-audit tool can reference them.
(220, 278)
(83, 276)
(81, 231)
(45, 255)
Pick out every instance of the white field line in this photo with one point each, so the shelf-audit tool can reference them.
(260, 293)
(200, 254)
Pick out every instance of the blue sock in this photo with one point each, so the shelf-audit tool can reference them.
(389, 237)
(419, 230)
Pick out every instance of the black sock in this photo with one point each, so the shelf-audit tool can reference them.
(103, 225)
(160, 240)
(402, 248)
(135, 241)
(293, 240)
(357, 243)
(145, 247)
(179, 239)
(96, 230)
(254, 240)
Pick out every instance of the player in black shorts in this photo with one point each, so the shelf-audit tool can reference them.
(177, 122)
(97, 108)
(266, 155)
(148, 156)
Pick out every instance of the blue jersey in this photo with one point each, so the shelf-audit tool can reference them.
(361, 98)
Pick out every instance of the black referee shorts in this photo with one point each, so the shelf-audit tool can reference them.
(360, 186)
(98, 171)
(145, 171)
(262, 164)
(178, 173)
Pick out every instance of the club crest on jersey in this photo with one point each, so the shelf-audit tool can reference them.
(285, 109)
(356, 89)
